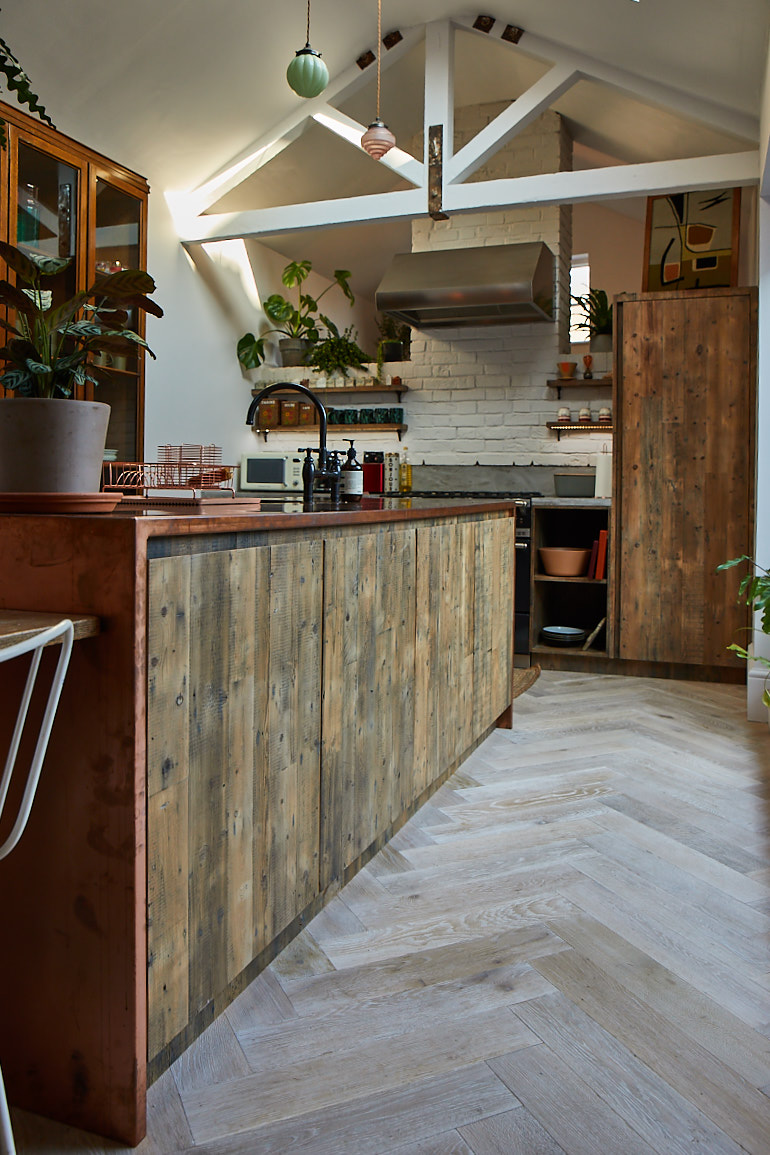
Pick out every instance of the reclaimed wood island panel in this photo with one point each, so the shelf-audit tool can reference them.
(269, 699)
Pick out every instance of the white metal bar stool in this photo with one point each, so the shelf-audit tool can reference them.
(62, 633)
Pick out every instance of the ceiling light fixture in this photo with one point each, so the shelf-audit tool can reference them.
(378, 139)
(307, 74)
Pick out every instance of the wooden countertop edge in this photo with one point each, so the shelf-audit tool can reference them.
(161, 524)
(19, 625)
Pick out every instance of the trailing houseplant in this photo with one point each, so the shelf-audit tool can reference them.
(337, 352)
(50, 442)
(17, 82)
(754, 592)
(597, 310)
(296, 319)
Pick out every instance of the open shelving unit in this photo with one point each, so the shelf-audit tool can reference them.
(570, 601)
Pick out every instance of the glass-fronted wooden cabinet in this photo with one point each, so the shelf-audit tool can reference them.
(62, 199)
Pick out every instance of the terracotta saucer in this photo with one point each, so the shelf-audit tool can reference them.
(58, 502)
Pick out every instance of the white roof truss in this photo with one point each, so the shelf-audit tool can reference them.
(568, 67)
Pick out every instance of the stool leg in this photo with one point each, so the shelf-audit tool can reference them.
(6, 1134)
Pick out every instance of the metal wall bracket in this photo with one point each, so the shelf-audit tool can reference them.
(436, 172)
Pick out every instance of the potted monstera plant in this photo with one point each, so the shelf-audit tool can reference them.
(49, 442)
(296, 320)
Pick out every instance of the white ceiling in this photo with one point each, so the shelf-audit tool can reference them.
(176, 89)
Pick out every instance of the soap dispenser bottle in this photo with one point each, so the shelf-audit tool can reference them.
(352, 476)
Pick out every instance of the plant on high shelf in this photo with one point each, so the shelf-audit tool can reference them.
(17, 82)
(597, 311)
(394, 340)
(49, 441)
(296, 320)
(337, 352)
(754, 592)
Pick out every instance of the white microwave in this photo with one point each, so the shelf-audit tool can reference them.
(265, 471)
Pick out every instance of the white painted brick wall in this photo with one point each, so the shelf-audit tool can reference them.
(480, 394)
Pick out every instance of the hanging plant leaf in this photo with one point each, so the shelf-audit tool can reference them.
(18, 83)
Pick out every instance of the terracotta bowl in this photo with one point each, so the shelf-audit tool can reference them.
(564, 561)
(566, 368)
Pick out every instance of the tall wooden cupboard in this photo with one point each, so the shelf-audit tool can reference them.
(61, 199)
(684, 472)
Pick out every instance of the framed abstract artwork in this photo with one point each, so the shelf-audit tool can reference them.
(691, 240)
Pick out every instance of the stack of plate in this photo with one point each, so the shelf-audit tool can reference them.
(563, 636)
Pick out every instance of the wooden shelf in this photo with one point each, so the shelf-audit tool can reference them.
(347, 391)
(590, 653)
(573, 382)
(331, 430)
(559, 427)
(560, 383)
(545, 577)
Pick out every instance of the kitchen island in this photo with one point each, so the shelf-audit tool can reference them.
(271, 695)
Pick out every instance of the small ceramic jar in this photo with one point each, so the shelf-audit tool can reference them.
(269, 414)
(289, 412)
(564, 415)
(605, 416)
(584, 417)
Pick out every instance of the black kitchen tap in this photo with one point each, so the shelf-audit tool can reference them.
(328, 468)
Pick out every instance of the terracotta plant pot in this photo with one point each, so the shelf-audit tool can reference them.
(51, 446)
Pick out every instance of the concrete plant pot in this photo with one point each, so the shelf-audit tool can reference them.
(51, 446)
(294, 350)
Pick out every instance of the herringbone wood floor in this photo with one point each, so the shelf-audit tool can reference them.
(567, 950)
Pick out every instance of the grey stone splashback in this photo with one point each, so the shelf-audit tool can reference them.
(479, 478)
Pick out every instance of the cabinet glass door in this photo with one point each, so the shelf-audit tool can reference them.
(117, 246)
(46, 212)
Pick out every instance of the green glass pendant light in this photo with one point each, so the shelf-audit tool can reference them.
(307, 74)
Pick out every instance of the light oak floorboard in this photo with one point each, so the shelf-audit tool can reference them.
(514, 1133)
(567, 952)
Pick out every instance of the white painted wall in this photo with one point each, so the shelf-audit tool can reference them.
(615, 246)
(756, 681)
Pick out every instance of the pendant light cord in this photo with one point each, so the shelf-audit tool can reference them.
(308, 22)
(379, 51)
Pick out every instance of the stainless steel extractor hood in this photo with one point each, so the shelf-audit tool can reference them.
(492, 285)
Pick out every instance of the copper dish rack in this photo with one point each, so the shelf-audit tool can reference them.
(179, 467)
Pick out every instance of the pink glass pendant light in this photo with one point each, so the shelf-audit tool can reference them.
(378, 139)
